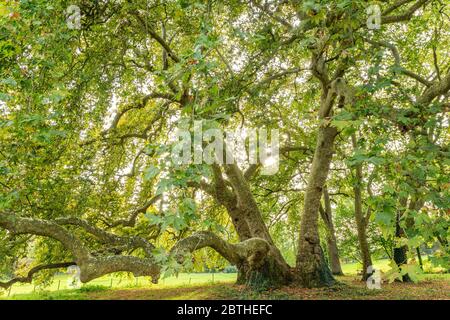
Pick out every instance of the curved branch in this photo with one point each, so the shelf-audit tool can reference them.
(272, 15)
(91, 267)
(98, 267)
(133, 165)
(407, 15)
(202, 185)
(155, 36)
(104, 135)
(277, 76)
(234, 253)
(251, 252)
(33, 271)
(395, 6)
(436, 89)
(292, 148)
(396, 55)
(19, 225)
(141, 104)
(251, 171)
(131, 221)
(107, 237)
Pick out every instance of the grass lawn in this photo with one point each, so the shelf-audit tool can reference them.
(60, 284)
(205, 286)
(354, 268)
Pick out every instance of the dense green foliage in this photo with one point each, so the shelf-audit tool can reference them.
(87, 115)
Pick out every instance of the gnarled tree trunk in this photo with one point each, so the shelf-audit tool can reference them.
(266, 271)
(255, 258)
(312, 269)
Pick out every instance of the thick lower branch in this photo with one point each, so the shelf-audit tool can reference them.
(234, 253)
(91, 267)
(251, 253)
(107, 237)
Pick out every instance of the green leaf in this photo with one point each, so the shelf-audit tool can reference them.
(412, 270)
(150, 173)
(384, 218)
(393, 273)
(154, 219)
(179, 223)
(5, 97)
(9, 82)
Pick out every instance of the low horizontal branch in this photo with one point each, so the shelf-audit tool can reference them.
(29, 277)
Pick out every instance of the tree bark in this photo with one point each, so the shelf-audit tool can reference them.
(256, 258)
(235, 195)
(419, 256)
(274, 271)
(312, 269)
(91, 267)
(361, 223)
(401, 253)
(29, 277)
(333, 252)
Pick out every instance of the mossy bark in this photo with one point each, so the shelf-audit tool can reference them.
(270, 272)
(312, 269)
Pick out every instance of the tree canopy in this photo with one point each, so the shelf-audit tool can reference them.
(88, 113)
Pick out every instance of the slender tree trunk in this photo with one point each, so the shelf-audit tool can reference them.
(333, 252)
(419, 256)
(312, 269)
(362, 234)
(401, 253)
(361, 223)
(333, 255)
(415, 204)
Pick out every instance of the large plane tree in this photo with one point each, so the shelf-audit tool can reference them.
(87, 116)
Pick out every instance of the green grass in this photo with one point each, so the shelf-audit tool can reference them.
(383, 265)
(58, 290)
(354, 268)
(59, 284)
